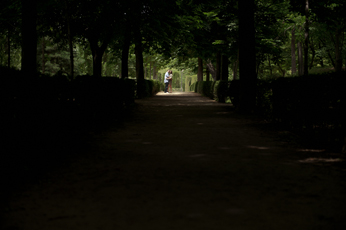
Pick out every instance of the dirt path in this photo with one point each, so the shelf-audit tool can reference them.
(186, 162)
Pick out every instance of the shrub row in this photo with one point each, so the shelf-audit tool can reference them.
(148, 88)
(45, 120)
(217, 90)
(315, 104)
(41, 97)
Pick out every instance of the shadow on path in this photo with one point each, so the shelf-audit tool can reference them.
(186, 162)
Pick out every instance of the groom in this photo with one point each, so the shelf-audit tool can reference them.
(166, 81)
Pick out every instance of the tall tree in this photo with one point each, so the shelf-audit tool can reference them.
(8, 47)
(293, 52)
(200, 70)
(224, 66)
(125, 58)
(97, 52)
(139, 57)
(306, 41)
(218, 66)
(247, 56)
(29, 37)
(331, 14)
(43, 55)
(300, 59)
(70, 38)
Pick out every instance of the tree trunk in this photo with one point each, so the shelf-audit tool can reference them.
(2, 46)
(9, 48)
(224, 72)
(70, 45)
(331, 59)
(88, 63)
(338, 56)
(154, 72)
(139, 59)
(328, 52)
(141, 92)
(181, 81)
(105, 60)
(313, 54)
(97, 53)
(211, 69)
(200, 69)
(125, 59)
(235, 71)
(320, 57)
(236, 65)
(283, 71)
(43, 59)
(270, 66)
(29, 37)
(321, 62)
(247, 56)
(300, 59)
(293, 53)
(218, 66)
(207, 73)
(258, 64)
(71, 54)
(306, 45)
(97, 63)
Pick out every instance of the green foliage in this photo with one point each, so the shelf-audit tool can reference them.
(314, 105)
(144, 89)
(129, 91)
(221, 91)
(102, 95)
(15, 52)
(46, 98)
(189, 80)
(264, 98)
(147, 88)
(194, 87)
(173, 40)
(217, 90)
(157, 86)
(205, 88)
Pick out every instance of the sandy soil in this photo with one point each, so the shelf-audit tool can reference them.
(186, 162)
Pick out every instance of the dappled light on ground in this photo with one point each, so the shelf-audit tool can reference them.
(321, 160)
(258, 147)
(198, 155)
(312, 150)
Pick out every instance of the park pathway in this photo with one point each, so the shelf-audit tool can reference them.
(185, 162)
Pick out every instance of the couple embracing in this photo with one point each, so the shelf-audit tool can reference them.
(168, 81)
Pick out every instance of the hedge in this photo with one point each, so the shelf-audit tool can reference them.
(41, 96)
(315, 105)
(147, 88)
(217, 90)
(221, 91)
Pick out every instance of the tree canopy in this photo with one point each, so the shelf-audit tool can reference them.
(130, 38)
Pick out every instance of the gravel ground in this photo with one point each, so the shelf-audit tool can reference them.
(185, 162)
